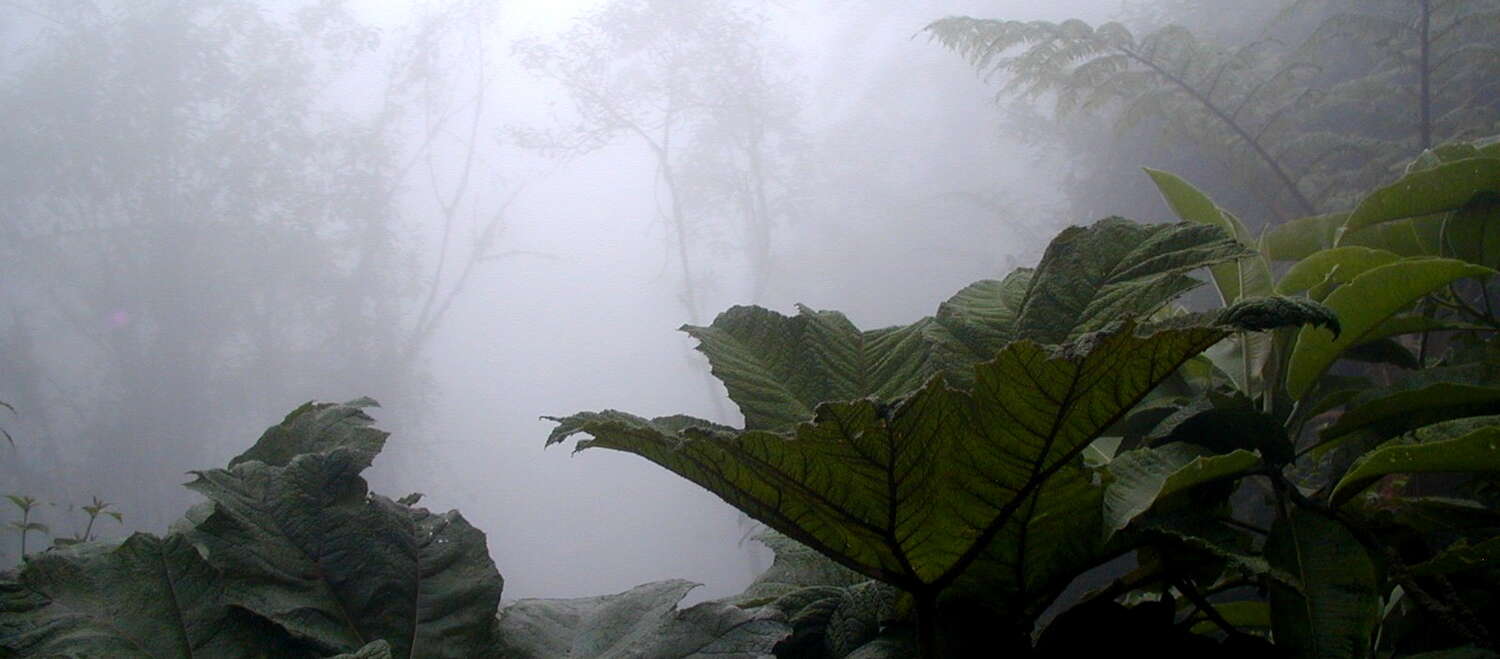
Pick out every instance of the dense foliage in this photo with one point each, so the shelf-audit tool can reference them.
(1058, 462)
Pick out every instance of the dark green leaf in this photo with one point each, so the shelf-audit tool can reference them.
(319, 428)
(641, 622)
(307, 547)
(912, 493)
(145, 597)
(1336, 612)
(1143, 476)
(1477, 451)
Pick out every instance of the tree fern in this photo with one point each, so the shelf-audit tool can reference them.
(1411, 74)
(1237, 100)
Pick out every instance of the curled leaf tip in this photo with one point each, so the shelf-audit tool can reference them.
(1257, 314)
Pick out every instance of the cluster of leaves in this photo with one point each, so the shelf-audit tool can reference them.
(292, 556)
(977, 461)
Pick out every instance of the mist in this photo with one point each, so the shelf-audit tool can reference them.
(215, 211)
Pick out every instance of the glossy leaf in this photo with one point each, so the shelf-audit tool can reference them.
(1336, 612)
(1443, 188)
(1363, 304)
(1300, 238)
(1338, 265)
(1477, 451)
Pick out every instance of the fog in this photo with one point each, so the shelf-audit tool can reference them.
(216, 210)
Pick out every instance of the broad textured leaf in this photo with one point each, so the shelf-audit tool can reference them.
(778, 368)
(641, 622)
(1336, 612)
(913, 492)
(1141, 477)
(1440, 189)
(146, 597)
(1246, 277)
(1258, 314)
(1088, 278)
(980, 320)
(793, 568)
(1478, 451)
(1366, 302)
(319, 428)
(1338, 265)
(1091, 277)
(307, 547)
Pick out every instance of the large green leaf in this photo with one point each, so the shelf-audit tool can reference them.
(1336, 611)
(979, 320)
(1141, 477)
(1364, 304)
(793, 568)
(1091, 277)
(1246, 277)
(641, 622)
(1297, 239)
(1422, 398)
(319, 428)
(1477, 451)
(1338, 265)
(1088, 278)
(778, 368)
(146, 597)
(308, 548)
(913, 492)
(1443, 188)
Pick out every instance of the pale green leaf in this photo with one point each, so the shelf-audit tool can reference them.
(1443, 188)
(1303, 237)
(1246, 277)
(1363, 304)
(1338, 265)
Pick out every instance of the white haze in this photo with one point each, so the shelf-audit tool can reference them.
(582, 313)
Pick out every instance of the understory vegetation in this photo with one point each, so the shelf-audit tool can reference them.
(1307, 471)
(1261, 431)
